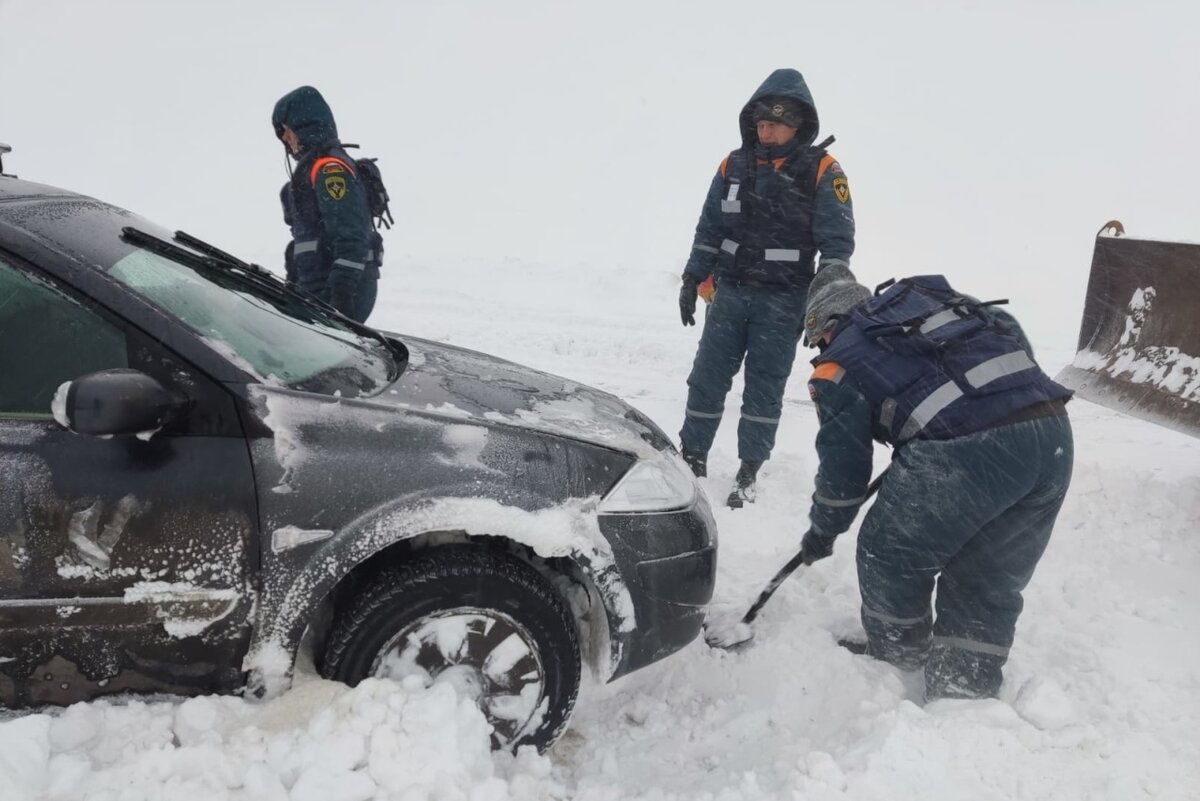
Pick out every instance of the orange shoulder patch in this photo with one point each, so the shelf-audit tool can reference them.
(321, 164)
(829, 371)
(827, 162)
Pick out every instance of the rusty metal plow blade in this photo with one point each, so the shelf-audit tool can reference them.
(1139, 342)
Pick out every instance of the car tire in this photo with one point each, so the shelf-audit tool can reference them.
(403, 621)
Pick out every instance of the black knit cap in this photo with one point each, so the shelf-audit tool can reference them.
(783, 110)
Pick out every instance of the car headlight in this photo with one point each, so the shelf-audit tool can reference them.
(652, 485)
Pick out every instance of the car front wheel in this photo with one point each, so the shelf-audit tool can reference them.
(487, 623)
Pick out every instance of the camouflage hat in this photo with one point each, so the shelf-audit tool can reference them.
(833, 292)
(783, 110)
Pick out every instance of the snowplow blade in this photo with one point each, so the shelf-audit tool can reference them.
(1139, 343)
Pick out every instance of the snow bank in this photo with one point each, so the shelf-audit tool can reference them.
(321, 742)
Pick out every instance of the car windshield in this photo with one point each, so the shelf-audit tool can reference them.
(279, 339)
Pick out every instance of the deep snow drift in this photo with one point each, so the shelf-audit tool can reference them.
(1100, 699)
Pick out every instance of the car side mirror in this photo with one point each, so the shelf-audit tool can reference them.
(115, 403)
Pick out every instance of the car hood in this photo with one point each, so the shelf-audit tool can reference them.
(461, 383)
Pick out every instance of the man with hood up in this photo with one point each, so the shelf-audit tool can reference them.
(775, 204)
(333, 254)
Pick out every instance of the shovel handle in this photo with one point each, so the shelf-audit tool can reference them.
(795, 562)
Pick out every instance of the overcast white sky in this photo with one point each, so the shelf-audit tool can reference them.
(988, 141)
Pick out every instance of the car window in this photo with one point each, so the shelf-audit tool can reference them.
(47, 338)
(277, 339)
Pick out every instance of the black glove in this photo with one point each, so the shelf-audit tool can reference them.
(343, 301)
(687, 300)
(814, 547)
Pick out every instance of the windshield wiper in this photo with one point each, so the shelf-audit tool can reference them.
(214, 259)
(399, 353)
(201, 254)
(206, 256)
(251, 270)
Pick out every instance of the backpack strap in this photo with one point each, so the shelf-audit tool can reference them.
(738, 159)
(826, 160)
(321, 162)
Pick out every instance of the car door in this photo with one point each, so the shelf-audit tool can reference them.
(125, 562)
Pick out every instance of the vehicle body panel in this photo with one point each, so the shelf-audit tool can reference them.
(180, 560)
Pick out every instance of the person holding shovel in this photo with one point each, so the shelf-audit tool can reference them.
(982, 464)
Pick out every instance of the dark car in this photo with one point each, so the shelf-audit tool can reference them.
(201, 471)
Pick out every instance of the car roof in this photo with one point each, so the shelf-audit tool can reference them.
(73, 236)
(13, 188)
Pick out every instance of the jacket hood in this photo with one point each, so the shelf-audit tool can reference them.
(305, 112)
(781, 83)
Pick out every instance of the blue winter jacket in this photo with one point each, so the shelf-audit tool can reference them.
(770, 210)
(850, 411)
(331, 222)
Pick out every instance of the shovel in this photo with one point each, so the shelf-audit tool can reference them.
(720, 634)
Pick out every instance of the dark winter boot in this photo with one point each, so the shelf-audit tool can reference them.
(743, 485)
(697, 461)
(854, 646)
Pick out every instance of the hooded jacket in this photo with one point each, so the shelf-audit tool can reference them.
(331, 221)
(771, 209)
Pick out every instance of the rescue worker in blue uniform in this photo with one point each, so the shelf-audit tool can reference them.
(774, 204)
(982, 462)
(335, 252)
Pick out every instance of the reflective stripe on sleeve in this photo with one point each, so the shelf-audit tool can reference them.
(781, 254)
(999, 367)
(705, 248)
(353, 265)
(307, 246)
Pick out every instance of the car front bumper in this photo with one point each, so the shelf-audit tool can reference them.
(668, 561)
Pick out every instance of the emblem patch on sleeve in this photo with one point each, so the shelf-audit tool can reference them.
(335, 187)
(841, 188)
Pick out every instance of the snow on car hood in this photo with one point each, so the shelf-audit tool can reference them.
(465, 383)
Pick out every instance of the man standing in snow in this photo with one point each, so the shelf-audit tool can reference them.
(332, 255)
(982, 463)
(774, 204)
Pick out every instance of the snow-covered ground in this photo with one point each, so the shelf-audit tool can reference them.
(1101, 700)
(547, 161)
